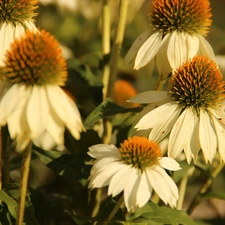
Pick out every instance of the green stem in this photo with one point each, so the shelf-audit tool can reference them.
(117, 46)
(23, 184)
(204, 188)
(114, 211)
(182, 190)
(105, 44)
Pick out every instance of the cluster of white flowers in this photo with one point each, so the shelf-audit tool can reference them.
(190, 116)
(33, 105)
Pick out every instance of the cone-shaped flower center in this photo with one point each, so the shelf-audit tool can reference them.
(17, 10)
(139, 152)
(35, 59)
(191, 16)
(198, 83)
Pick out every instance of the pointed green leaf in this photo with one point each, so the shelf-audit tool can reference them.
(105, 109)
(218, 195)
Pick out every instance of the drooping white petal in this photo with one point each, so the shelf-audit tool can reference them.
(103, 177)
(148, 50)
(22, 140)
(130, 191)
(156, 116)
(149, 97)
(136, 45)
(8, 103)
(162, 61)
(119, 180)
(162, 129)
(30, 25)
(100, 151)
(181, 133)
(17, 120)
(65, 109)
(143, 191)
(192, 45)
(45, 141)
(37, 111)
(19, 30)
(220, 132)
(98, 164)
(6, 38)
(192, 144)
(169, 164)
(163, 185)
(177, 49)
(207, 135)
(205, 48)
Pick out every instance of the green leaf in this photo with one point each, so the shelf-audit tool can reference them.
(161, 215)
(11, 203)
(105, 109)
(59, 162)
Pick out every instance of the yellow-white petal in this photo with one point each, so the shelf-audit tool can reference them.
(169, 164)
(136, 45)
(207, 135)
(148, 50)
(156, 116)
(192, 45)
(162, 61)
(37, 111)
(177, 49)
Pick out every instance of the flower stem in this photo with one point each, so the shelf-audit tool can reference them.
(117, 46)
(182, 189)
(0, 160)
(23, 184)
(105, 44)
(204, 188)
(114, 211)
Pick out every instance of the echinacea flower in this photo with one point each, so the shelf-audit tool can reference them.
(35, 108)
(16, 16)
(176, 35)
(135, 168)
(193, 112)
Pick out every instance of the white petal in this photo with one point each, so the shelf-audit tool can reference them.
(17, 120)
(6, 38)
(169, 164)
(30, 25)
(163, 185)
(45, 141)
(130, 190)
(177, 49)
(136, 45)
(103, 177)
(119, 181)
(37, 111)
(19, 31)
(156, 116)
(8, 103)
(143, 191)
(102, 150)
(220, 132)
(149, 97)
(181, 133)
(162, 129)
(65, 109)
(205, 48)
(22, 141)
(192, 45)
(148, 50)
(162, 61)
(207, 137)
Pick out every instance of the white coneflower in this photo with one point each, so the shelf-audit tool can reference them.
(135, 168)
(16, 16)
(35, 107)
(176, 34)
(193, 114)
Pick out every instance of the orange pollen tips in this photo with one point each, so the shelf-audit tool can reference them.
(35, 59)
(15, 11)
(190, 16)
(139, 152)
(198, 83)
